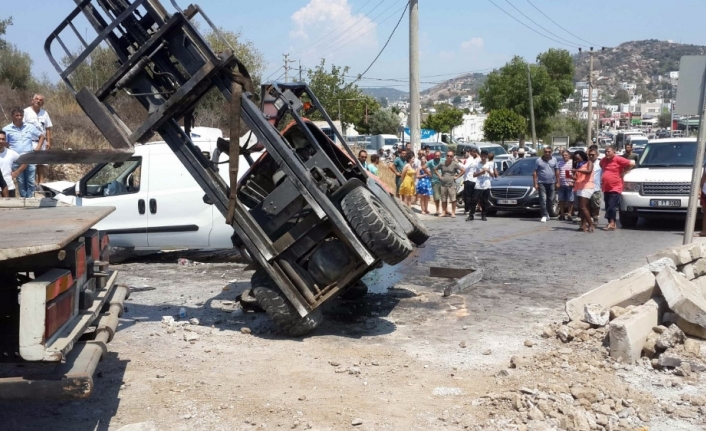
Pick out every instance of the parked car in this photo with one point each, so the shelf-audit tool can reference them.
(514, 190)
(660, 186)
(158, 204)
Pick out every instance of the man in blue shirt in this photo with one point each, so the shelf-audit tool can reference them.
(396, 168)
(21, 138)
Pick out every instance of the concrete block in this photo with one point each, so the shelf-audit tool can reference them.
(701, 282)
(680, 255)
(688, 271)
(683, 296)
(659, 264)
(689, 328)
(699, 267)
(634, 288)
(629, 332)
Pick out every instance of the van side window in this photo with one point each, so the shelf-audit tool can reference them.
(114, 179)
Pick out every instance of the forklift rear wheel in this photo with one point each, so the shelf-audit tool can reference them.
(419, 234)
(375, 226)
(276, 305)
(358, 290)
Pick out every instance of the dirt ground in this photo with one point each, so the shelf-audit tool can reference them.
(402, 358)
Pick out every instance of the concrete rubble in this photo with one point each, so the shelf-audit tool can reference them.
(656, 312)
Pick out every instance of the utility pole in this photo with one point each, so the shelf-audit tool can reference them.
(414, 100)
(287, 61)
(300, 71)
(531, 103)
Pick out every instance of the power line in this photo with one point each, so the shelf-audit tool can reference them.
(557, 24)
(537, 24)
(370, 26)
(363, 34)
(272, 74)
(539, 33)
(342, 33)
(384, 46)
(341, 25)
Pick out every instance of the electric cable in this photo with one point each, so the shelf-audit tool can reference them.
(386, 43)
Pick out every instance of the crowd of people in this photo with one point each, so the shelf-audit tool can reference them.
(581, 180)
(29, 131)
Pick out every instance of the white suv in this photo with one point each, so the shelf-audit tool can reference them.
(659, 187)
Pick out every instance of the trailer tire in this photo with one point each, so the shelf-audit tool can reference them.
(276, 305)
(375, 226)
(419, 234)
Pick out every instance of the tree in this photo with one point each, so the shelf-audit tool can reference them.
(4, 23)
(664, 120)
(506, 88)
(244, 49)
(330, 87)
(560, 67)
(15, 65)
(456, 100)
(384, 121)
(621, 96)
(503, 124)
(445, 120)
(383, 102)
(563, 126)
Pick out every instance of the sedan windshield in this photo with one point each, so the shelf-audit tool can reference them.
(521, 168)
(668, 154)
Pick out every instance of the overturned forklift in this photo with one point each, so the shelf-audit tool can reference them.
(307, 215)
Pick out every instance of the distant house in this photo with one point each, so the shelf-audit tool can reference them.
(472, 128)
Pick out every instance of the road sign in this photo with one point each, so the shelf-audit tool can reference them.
(690, 96)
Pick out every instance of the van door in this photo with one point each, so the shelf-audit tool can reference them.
(121, 185)
(177, 215)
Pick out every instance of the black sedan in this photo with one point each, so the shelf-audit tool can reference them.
(514, 190)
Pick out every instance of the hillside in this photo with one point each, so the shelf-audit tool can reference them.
(638, 62)
(463, 85)
(391, 94)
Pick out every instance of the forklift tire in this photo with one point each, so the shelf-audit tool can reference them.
(358, 290)
(276, 305)
(375, 226)
(419, 234)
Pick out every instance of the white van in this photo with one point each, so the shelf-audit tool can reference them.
(158, 204)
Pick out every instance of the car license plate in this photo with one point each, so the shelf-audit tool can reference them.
(665, 202)
(507, 202)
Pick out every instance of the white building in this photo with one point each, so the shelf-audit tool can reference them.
(628, 86)
(472, 128)
(651, 108)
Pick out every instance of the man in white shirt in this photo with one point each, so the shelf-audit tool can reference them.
(483, 175)
(39, 118)
(470, 164)
(7, 159)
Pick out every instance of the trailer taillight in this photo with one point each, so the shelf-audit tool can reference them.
(61, 285)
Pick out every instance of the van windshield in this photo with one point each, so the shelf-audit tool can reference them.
(391, 141)
(668, 154)
(498, 151)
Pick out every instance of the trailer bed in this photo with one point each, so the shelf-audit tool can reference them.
(27, 231)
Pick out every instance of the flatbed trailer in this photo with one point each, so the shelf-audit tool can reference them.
(59, 303)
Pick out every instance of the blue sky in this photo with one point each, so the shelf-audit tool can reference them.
(455, 35)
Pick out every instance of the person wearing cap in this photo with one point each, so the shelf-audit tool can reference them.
(521, 153)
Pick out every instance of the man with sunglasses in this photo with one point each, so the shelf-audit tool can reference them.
(597, 172)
